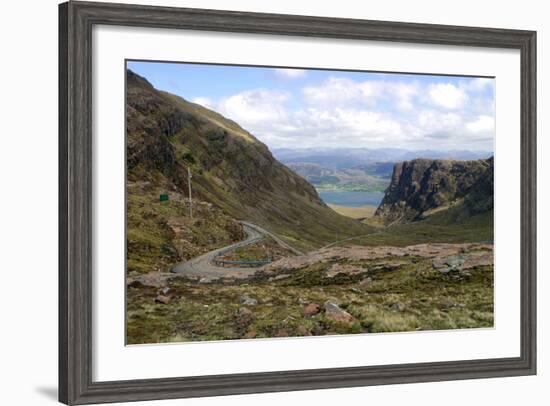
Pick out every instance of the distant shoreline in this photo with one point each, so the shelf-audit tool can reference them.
(343, 189)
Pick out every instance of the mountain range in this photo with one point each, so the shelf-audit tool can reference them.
(342, 158)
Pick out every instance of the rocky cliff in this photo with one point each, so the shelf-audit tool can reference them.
(421, 187)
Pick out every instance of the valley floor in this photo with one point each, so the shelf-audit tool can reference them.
(360, 212)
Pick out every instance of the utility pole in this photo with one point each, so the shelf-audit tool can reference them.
(190, 197)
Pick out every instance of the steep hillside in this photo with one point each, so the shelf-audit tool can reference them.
(422, 187)
(231, 169)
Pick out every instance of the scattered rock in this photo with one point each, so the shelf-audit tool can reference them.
(278, 277)
(205, 280)
(448, 304)
(244, 317)
(311, 309)
(163, 299)
(247, 300)
(243, 311)
(346, 269)
(135, 285)
(334, 312)
(282, 333)
(302, 301)
(449, 264)
(482, 252)
(479, 258)
(365, 282)
(398, 307)
(155, 279)
(164, 291)
(302, 331)
(390, 266)
(251, 334)
(288, 319)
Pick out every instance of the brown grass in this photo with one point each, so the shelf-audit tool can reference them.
(354, 212)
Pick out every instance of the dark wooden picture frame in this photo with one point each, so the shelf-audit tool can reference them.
(76, 20)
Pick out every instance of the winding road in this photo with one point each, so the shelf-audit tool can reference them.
(203, 265)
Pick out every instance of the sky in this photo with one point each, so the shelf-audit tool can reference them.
(306, 108)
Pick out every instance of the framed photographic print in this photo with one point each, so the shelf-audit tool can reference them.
(258, 202)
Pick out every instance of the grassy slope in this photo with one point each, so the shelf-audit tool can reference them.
(439, 227)
(261, 250)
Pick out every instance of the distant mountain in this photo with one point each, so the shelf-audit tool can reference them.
(341, 158)
(232, 170)
(422, 187)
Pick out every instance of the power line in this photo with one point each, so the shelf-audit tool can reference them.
(189, 176)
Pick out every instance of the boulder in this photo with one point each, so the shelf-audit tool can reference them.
(247, 300)
(282, 333)
(243, 318)
(335, 313)
(251, 334)
(302, 331)
(449, 264)
(135, 284)
(365, 282)
(311, 309)
(397, 306)
(163, 299)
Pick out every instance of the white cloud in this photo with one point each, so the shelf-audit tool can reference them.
(255, 107)
(430, 124)
(403, 94)
(290, 73)
(447, 95)
(351, 123)
(342, 90)
(373, 113)
(204, 101)
(483, 124)
(336, 91)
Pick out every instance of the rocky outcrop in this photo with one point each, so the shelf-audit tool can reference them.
(392, 258)
(421, 186)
